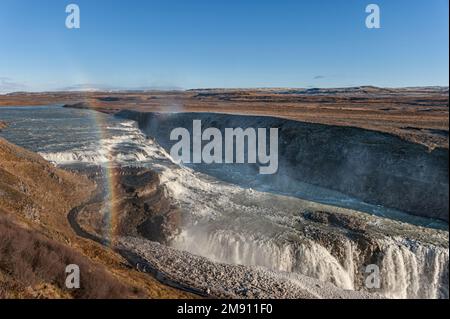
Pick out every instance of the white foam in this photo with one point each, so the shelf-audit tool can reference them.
(239, 226)
(76, 157)
(130, 146)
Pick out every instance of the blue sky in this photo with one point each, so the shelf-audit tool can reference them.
(222, 43)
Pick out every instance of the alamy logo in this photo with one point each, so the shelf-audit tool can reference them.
(373, 278)
(234, 148)
(73, 277)
(73, 19)
(373, 19)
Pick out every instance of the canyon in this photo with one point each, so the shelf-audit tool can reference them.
(377, 168)
(362, 180)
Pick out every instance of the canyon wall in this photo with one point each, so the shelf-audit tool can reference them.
(374, 167)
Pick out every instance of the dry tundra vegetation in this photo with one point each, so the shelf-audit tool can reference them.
(36, 264)
(418, 114)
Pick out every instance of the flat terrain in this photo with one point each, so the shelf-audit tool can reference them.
(419, 115)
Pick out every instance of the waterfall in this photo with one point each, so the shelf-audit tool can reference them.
(414, 271)
(307, 258)
(407, 269)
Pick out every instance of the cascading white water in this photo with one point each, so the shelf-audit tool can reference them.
(406, 270)
(123, 144)
(315, 261)
(414, 270)
(306, 257)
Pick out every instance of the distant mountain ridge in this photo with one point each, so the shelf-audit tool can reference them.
(368, 89)
(107, 88)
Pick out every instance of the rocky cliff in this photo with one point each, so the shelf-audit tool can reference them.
(377, 168)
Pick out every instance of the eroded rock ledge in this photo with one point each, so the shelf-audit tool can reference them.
(141, 208)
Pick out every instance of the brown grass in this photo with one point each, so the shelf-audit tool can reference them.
(31, 259)
(37, 242)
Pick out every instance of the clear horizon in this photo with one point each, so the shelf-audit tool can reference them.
(226, 44)
(168, 89)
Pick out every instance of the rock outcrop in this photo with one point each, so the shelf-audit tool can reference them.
(141, 208)
(3, 125)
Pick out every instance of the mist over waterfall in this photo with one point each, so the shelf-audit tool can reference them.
(233, 215)
(242, 226)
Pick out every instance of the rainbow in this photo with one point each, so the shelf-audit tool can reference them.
(109, 187)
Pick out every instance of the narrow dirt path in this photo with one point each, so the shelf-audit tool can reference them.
(133, 259)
